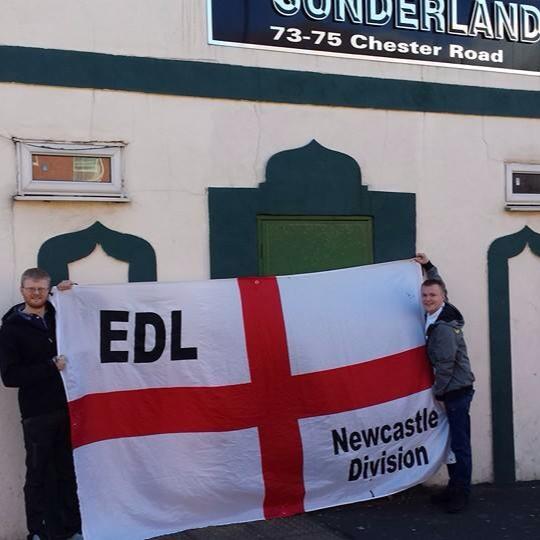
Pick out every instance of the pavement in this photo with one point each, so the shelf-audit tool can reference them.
(495, 512)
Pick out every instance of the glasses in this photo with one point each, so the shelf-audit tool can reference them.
(39, 290)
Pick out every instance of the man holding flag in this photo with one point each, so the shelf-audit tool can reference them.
(259, 397)
(29, 361)
(453, 384)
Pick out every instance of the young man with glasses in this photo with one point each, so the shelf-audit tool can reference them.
(29, 361)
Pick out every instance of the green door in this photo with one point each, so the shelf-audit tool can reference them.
(298, 244)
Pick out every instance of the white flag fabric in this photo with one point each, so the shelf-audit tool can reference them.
(222, 401)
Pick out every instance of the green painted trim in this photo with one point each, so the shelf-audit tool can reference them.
(76, 69)
(502, 417)
(308, 181)
(56, 253)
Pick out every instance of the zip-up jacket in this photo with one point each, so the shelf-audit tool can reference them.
(447, 350)
(27, 349)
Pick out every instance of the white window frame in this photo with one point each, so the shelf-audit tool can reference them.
(27, 188)
(512, 198)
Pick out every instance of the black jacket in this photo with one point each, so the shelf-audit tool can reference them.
(27, 348)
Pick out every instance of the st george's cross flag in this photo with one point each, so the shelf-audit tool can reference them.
(222, 401)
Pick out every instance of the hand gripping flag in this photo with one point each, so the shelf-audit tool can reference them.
(222, 401)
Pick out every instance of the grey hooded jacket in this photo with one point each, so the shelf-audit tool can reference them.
(446, 348)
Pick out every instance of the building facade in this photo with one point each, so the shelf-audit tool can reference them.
(245, 160)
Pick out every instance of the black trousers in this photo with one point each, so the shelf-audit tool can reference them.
(459, 422)
(50, 489)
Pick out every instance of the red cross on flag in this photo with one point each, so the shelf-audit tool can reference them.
(222, 401)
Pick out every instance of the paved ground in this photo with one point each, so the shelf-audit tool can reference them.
(495, 513)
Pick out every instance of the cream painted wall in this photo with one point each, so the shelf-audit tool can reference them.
(177, 147)
(98, 268)
(178, 29)
(525, 329)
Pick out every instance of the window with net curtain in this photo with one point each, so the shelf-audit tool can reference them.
(48, 170)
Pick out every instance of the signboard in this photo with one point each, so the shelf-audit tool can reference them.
(497, 35)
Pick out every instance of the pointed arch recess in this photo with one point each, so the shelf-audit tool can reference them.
(500, 251)
(56, 253)
(306, 181)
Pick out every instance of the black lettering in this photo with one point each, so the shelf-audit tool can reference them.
(418, 420)
(355, 441)
(391, 464)
(371, 436)
(385, 438)
(421, 455)
(398, 431)
(142, 320)
(409, 427)
(107, 336)
(408, 459)
(177, 351)
(355, 469)
(374, 467)
(340, 442)
(433, 419)
(424, 419)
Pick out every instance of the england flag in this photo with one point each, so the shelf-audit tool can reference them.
(223, 401)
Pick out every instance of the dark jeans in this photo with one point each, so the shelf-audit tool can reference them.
(459, 421)
(50, 489)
